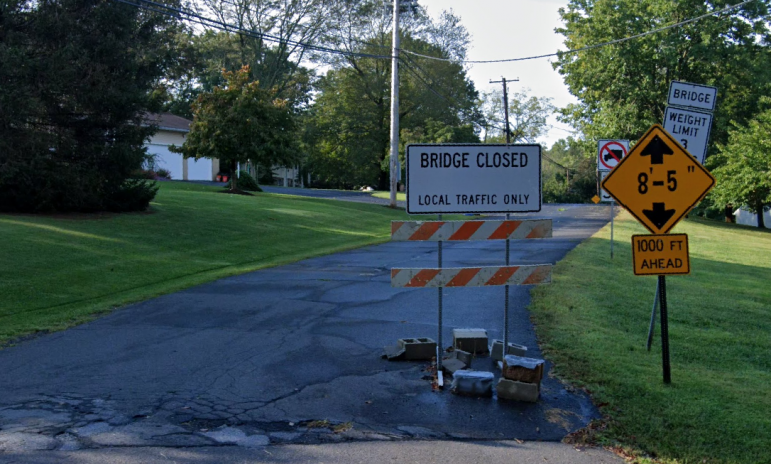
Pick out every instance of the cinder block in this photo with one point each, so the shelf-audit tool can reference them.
(472, 340)
(418, 349)
(519, 391)
(472, 383)
(463, 356)
(528, 370)
(452, 365)
(496, 350)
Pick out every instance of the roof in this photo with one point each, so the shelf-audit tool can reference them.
(168, 122)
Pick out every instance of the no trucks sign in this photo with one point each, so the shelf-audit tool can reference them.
(473, 179)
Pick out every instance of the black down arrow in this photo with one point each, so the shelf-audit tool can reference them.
(659, 215)
(656, 149)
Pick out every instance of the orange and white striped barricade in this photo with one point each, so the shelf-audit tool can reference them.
(457, 231)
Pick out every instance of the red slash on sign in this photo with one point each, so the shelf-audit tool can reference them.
(611, 153)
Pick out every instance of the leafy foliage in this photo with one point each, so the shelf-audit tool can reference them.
(71, 106)
(568, 175)
(347, 133)
(241, 122)
(528, 116)
(744, 167)
(622, 88)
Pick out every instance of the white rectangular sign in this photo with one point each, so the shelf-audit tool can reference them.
(610, 153)
(699, 97)
(690, 128)
(473, 178)
(604, 196)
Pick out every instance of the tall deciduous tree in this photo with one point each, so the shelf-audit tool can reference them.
(622, 88)
(528, 116)
(240, 122)
(348, 137)
(76, 80)
(744, 167)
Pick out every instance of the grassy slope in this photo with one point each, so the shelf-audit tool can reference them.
(61, 271)
(593, 322)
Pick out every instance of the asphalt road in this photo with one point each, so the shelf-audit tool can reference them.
(288, 355)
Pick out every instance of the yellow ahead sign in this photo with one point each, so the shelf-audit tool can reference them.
(660, 254)
(658, 181)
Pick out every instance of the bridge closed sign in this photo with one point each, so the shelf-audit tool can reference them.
(473, 178)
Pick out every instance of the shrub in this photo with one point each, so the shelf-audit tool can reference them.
(247, 182)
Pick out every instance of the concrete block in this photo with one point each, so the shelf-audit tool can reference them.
(418, 349)
(472, 383)
(471, 340)
(527, 370)
(519, 391)
(452, 365)
(463, 356)
(460, 355)
(496, 350)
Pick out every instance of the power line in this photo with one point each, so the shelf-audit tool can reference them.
(220, 25)
(588, 47)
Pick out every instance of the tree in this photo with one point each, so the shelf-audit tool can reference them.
(569, 176)
(71, 106)
(622, 88)
(348, 139)
(528, 116)
(241, 122)
(744, 167)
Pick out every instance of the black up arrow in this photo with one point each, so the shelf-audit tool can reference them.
(659, 216)
(656, 149)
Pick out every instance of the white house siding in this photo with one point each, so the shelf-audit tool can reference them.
(180, 168)
(749, 219)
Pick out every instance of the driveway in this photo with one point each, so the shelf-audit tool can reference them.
(290, 355)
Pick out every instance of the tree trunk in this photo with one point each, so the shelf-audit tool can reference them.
(233, 176)
(759, 209)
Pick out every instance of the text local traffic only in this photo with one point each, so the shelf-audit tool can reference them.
(473, 178)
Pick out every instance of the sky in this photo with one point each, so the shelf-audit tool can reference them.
(512, 29)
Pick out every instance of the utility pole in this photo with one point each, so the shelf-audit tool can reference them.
(394, 105)
(506, 105)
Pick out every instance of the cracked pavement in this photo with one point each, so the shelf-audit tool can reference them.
(287, 355)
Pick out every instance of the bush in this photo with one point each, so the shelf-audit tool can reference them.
(246, 182)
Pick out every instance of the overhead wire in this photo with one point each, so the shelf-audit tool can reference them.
(220, 25)
(588, 47)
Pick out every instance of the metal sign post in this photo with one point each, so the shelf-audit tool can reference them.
(506, 301)
(664, 330)
(439, 349)
(653, 317)
(612, 221)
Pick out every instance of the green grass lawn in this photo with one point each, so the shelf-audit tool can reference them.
(400, 196)
(60, 271)
(593, 322)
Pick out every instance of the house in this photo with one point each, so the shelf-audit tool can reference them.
(746, 218)
(172, 130)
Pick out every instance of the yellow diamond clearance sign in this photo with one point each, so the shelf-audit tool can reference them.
(658, 181)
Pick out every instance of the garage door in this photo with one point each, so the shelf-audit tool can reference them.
(164, 159)
(199, 169)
